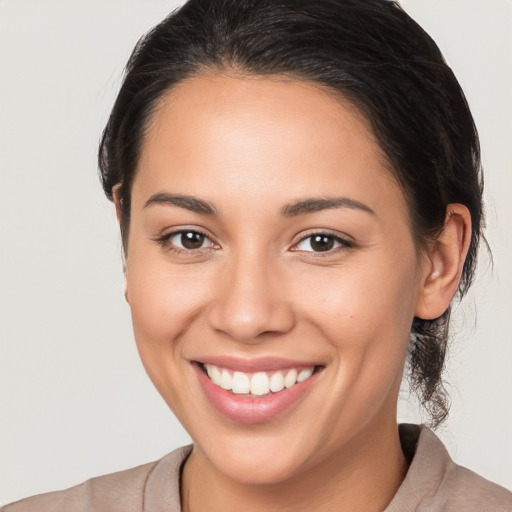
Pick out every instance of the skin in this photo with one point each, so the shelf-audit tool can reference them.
(256, 288)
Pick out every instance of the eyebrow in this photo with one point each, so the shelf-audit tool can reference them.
(301, 207)
(188, 202)
(314, 205)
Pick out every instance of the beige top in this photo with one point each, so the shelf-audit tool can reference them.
(433, 483)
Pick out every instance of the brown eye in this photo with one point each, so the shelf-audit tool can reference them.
(188, 240)
(191, 239)
(322, 242)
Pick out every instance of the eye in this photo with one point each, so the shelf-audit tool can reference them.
(186, 240)
(321, 242)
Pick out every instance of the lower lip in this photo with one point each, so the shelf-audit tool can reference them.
(245, 409)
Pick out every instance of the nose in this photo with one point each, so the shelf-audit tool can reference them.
(251, 301)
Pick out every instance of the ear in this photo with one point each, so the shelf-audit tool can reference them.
(443, 264)
(116, 196)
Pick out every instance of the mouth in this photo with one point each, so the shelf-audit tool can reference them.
(254, 395)
(256, 383)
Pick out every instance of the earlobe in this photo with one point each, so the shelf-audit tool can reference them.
(444, 263)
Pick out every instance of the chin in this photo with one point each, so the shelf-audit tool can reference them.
(257, 459)
(253, 468)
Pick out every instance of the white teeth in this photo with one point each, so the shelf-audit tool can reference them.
(276, 382)
(256, 384)
(226, 380)
(240, 383)
(214, 374)
(304, 374)
(260, 384)
(291, 378)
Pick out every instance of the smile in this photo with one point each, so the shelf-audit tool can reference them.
(255, 392)
(259, 383)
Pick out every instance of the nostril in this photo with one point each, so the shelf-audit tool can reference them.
(251, 321)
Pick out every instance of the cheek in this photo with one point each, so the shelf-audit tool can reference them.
(164, 303)
(365, 312)
(160, 302)
(363, 300)
(365, 318)
(162, 296)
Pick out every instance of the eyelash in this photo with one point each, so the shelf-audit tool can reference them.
(343, 243)
(164, 241)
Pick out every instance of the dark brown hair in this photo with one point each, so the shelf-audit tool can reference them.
(374, 55)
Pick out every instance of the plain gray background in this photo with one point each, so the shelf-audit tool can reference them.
(74, 399)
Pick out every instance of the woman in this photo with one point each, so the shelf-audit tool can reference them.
(299, 194)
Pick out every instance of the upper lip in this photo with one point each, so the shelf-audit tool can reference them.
(255, 364)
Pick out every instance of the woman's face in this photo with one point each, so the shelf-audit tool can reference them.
(268, 241)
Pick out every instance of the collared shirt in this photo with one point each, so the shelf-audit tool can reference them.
(433, 483)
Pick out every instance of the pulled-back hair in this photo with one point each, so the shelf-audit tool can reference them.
(372, 54)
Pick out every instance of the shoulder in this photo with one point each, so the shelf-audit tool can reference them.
(114, 492)
(468, 489)
(435, 482)
(123, 491)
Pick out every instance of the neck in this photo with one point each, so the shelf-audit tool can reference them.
(362, 476)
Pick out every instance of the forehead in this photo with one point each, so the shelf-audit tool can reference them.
(279, 138)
